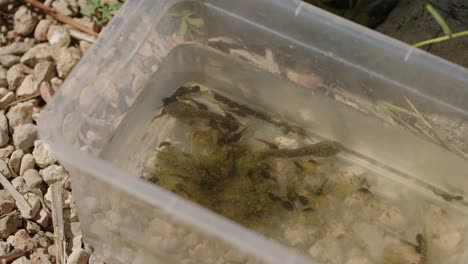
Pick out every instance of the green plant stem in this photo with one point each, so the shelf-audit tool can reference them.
(440, 39)
(439, 19)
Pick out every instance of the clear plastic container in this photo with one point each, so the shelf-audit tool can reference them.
(401, 113)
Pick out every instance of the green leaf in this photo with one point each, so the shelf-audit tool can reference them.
(183, 28)
(88, 10)
(115, 7)
(94, 3)
(196, 22)
(439, 19)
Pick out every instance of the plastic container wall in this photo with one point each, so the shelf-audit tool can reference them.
(131, 221)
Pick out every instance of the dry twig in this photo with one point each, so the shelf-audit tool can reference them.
(57, 219)
(8, 258)
(21, 203)
(60, 17)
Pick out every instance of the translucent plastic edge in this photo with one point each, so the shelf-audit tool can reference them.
(191, 213)
(200, 217)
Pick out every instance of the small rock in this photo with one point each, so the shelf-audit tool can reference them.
(4, 136)
(31, 227)
(54, 173)
(6, 151)
(50, 235)
(5, 195)
(20, 114)
(6, 207)
(58, 36)
(9, 60)
(51, 250)
(41, 30)
(44, 71)
(75, 229)
(76, 242)
(62, 7)
(46, 91)
(15, 48)
(27, 162)
(22, 260)
(37, 53)
(56, 83)
(10, 239)
(41, 240)
(36, 258)
(84, 46)
(95, 259)
(32, 178)
(24, 242)
(7, 99)
(78, 256)
(24, 136)
(14, 77)
(42, 218)
(66, 58)
(5, 248)
(29, 87)
(86, 21)
(43, 155)
(74, 236)
(35, 113)
(23, 68)
(70, 215)
(18, 183)
(5, 170)
(3, 91)
(24, 21)
(15, 160)
(8, 224)
(35, 203)
(3, 77)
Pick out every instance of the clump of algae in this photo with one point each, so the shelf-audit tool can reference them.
(228, 179)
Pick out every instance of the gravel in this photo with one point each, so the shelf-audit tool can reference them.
(24, 136)
(14, 77)
(20, 114)
(43, 155)
(4, 135)
(9, 60)
(15, 48)
(40, 34)
(24, 21)
(8, 224)
(53, 174)
(78, 256)
(36, 54)
(32, 178)
(27, 162)
(44, 71)
(15, 160)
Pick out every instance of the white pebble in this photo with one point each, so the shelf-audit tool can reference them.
(42, 154)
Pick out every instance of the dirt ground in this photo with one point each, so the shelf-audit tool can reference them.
(411, 23)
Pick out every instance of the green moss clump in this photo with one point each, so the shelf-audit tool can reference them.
(228, 179)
